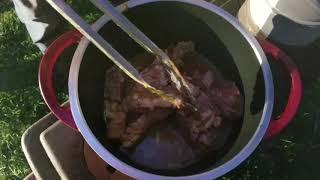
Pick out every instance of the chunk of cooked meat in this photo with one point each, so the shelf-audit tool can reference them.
(115, 119)
(199, 127)
(115, 82)
(229, 100)
(156, 75)
(136, 130)
(220, 92)
(218, 100)
(141, 99)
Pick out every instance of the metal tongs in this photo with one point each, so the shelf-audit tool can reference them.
(106, 7)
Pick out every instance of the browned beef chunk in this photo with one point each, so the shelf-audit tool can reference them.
(115, 82)
(228, 98)
(140, 98)
(115, 119)
(156, 75)
(115, 115)
(136, 130)
(198, 127)
(220, 92)
(218, 99)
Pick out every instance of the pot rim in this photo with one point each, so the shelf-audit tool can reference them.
(137, 173)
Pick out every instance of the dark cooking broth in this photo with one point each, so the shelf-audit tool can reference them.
(165, 146)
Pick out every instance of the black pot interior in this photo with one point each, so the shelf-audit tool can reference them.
(166, 23)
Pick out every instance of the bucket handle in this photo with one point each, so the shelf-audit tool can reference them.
(277, 125)
(46, 67)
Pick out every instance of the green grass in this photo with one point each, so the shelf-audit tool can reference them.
(20, 101)
(295, 153)
(292, 155)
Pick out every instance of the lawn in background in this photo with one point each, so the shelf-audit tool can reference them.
(292, 155)
(20, 101)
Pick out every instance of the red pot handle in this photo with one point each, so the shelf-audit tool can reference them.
(277, 125)
(46, 71)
